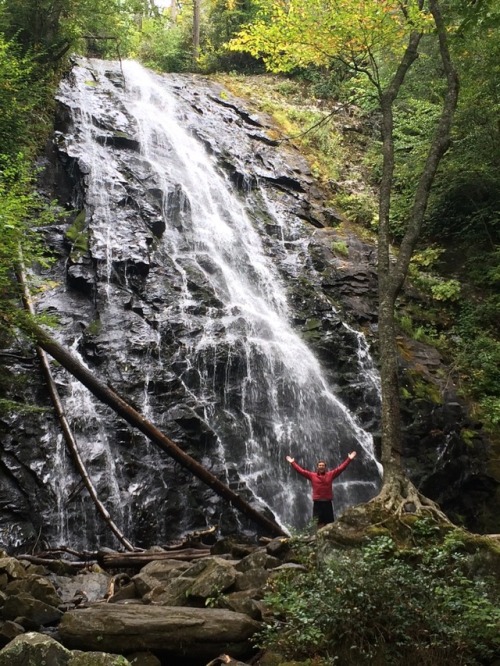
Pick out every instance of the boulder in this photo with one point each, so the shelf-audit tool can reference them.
(37, 649)
(12, 568)
(35, 613)
(143, 659)
(9, 630)
(36, 586)
(259, 559)
(202, 580)
(92, 586)
(179, 632)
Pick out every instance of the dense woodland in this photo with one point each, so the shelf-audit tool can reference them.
(421, 81)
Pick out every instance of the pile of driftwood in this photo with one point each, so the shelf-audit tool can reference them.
(192, 547)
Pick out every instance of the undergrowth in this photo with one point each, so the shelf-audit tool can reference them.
(387, 605)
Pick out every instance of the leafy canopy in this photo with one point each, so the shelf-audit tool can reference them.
(292, 33)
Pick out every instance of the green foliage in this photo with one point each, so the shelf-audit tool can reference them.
(340, 247)
(421, 275)
(482, 355)
(384, 605)
(51, 28)
(467, 197)
(224, 19)
(25, 99)
(295, 34)
(22, 213)
(164, 47)
(360, 208)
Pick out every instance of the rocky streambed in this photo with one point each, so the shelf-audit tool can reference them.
(192, 609)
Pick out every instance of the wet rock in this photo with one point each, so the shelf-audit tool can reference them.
(145, 308)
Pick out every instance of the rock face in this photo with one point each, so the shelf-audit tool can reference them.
(184, 282)
(197, 275)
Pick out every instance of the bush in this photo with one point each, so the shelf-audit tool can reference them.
(164, 47)
(380, 605)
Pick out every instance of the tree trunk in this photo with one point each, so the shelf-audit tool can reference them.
(173, 11)
(196, 29)
(110, 398)
(390, 417)
(392, 272)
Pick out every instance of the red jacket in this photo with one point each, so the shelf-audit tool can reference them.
(322, 483)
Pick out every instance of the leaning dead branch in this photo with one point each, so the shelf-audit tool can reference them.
(134, 418)
(65, 426)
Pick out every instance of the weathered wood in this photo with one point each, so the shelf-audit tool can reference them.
(50, 562)
(64, 423)
(138, 560)
(110, 398)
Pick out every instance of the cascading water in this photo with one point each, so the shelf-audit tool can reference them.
(189, 309)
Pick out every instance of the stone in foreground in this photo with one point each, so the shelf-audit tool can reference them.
(177, 631)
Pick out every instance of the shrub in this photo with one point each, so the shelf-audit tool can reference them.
(381, 605)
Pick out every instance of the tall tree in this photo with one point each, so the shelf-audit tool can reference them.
(380, 39)
(196, 28)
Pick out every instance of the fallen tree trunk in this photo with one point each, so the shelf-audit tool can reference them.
(138, 560)
(110, 398)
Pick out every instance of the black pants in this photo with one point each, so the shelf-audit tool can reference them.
(323, 512)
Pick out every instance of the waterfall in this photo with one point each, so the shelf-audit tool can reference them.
(191, 296)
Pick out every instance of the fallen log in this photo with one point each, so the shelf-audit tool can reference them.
(117, 560)
(54, 563)
(134, 418)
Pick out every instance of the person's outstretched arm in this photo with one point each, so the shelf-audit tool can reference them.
(298, 468)
(338, 470)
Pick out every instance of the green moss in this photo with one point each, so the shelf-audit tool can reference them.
(340, 247)
(419, 387)
(94, 328)
(312, 324)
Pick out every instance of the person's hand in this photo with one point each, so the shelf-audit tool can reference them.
(290, 459)
(352, 455)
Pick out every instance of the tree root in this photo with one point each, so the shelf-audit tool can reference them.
(400, 497)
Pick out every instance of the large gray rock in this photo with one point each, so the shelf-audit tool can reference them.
(202, 580)
(92, 585)
(178, 631)
(34, 649)
(159, 572)
(38, 587)
(36, 613)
